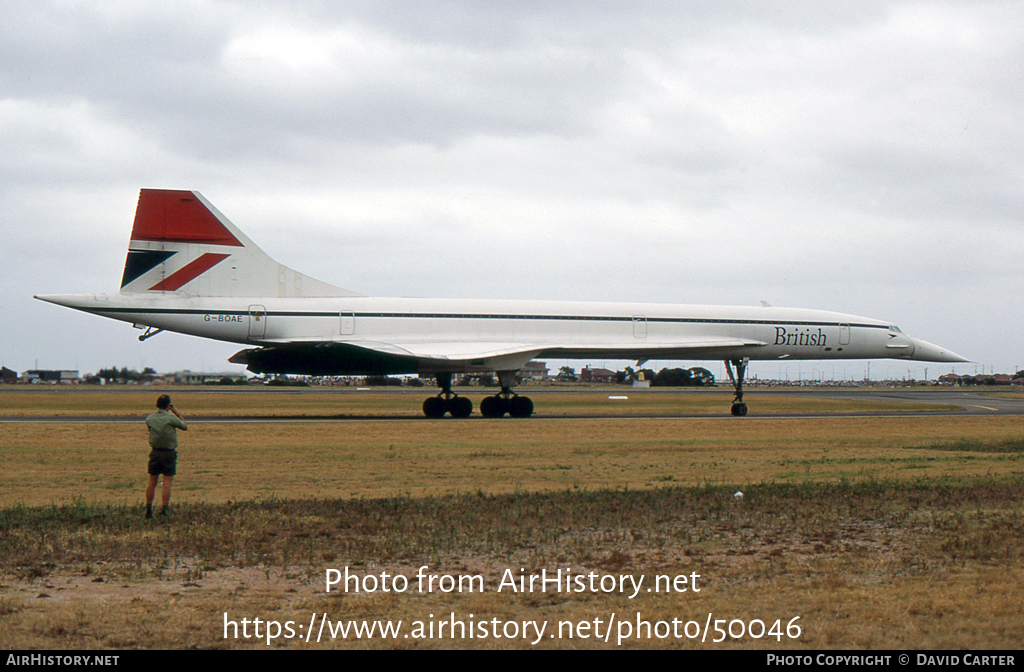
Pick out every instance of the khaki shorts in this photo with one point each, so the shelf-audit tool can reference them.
(163, 462)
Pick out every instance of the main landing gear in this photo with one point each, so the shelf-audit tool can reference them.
(447, 401)
(506, 401)
(496, 406)
(739, 409)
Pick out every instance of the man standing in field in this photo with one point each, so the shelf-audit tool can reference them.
(163, 458)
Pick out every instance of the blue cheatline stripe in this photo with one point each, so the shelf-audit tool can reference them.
(481, 316)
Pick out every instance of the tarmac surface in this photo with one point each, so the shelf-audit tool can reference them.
(968, 402)
(972, 402)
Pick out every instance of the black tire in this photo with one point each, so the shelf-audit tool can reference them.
(739, 410)
(435, 407)
(493, 407)
(520, 407)
(460, 407)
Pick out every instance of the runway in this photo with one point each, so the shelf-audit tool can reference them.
(964, 402)
(972, 402)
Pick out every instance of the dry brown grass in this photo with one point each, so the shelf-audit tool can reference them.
(877, 565)
(105, 462)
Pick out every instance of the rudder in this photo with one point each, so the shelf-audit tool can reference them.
(181, 243)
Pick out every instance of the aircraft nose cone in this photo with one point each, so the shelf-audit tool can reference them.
(929, 352)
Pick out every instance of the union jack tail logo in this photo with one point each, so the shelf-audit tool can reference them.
(181, 243)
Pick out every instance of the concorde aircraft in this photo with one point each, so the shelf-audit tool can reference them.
(190, 270)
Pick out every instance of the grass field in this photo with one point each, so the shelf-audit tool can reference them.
(878, 532)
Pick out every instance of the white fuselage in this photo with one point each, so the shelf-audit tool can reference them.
(558, 329)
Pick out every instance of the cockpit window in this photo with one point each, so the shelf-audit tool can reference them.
(893, 327)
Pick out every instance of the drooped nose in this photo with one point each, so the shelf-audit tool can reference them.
(929, 352)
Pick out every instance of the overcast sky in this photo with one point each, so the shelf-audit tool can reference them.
(862, 157)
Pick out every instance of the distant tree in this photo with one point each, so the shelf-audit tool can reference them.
(386, 381)
(701, 377)
(671, 378)
(566, 374)
(414, 382)
(122, 375)
(108, 375)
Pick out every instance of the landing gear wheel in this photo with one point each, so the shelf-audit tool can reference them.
(434, 407)
(506, 401)
(494, 407)
(739, 409)
(447, 401)
(460, 407)
(520, 407)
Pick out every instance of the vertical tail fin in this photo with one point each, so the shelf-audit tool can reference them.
(181, 243)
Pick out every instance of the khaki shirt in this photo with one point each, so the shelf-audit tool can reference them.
(162, 432)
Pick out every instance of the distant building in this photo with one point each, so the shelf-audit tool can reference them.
(8, 376)
(641, 380)
(200, 378)
(183, 378)
(41, 376)
(589, 375)
(534, 370)
(986, 379)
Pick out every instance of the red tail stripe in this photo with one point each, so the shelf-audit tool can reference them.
(178, 216)
(189, 272)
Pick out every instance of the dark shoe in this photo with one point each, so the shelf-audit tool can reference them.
(149, 513)
(163, 512)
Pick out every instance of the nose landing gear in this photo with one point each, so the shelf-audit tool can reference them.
(739, 409)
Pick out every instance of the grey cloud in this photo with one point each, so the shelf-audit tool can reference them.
(843, 156)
